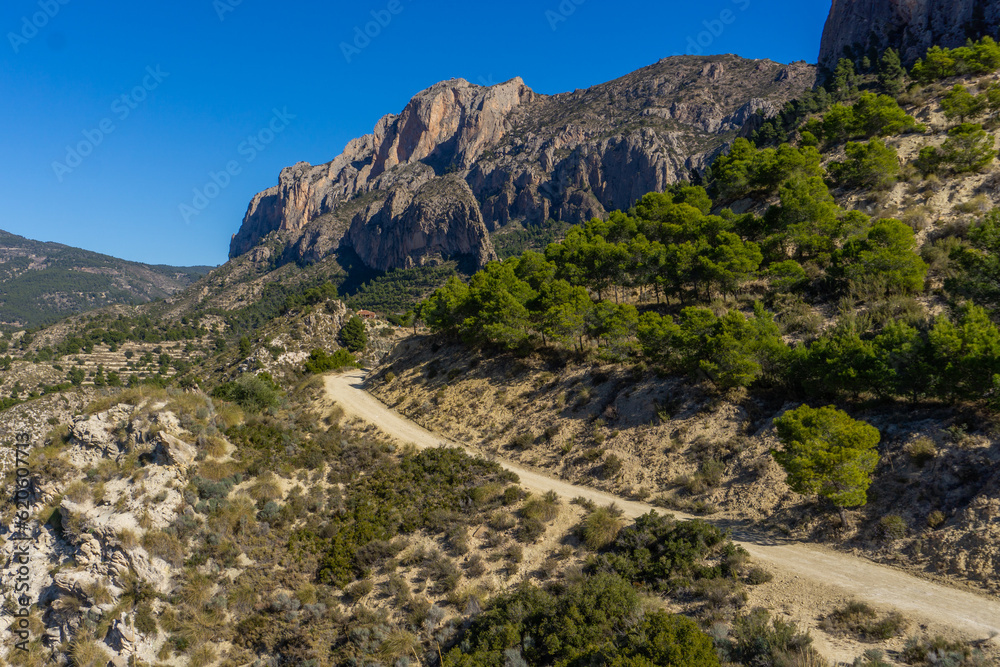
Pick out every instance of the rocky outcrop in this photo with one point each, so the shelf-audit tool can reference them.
(462, 161)
(173, 451)
(857, 28)
(98, 431)
(445, 127)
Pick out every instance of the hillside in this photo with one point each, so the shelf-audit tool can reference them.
(43, 282)
(847, 260)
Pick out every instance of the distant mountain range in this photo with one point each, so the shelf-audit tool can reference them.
(43, 282)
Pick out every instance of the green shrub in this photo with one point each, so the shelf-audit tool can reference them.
(360, 589)
(757, 639)
(582, 622)
(892, 527)
(252, 392)
(665, 554)
(758, 575)
(601, 527)
(429, 490)
(321, 362)
(941, 651)
(530, 530)
(612, 466)
(921, 451)
(872, 657)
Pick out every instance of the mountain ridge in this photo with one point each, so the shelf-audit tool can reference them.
(462, 161)
(42, 281)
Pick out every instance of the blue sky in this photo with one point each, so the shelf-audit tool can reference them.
(117, 113)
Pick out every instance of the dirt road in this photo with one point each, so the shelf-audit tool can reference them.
(813, 568)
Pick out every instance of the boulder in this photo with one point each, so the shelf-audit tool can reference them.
(173, 451)
(121, 637)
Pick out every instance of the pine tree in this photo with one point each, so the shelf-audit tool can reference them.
(353, 335)
(826, 452)
(891, 74)
(960, 103)
(844, 78)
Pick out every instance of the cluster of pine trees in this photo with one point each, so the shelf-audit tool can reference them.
(667, 283)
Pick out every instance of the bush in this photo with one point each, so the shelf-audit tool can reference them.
(88, 653)
(321, 362)
(873, 657)
(758, 575)
(612, 466)
(601, 527)
(475, 567)
(892, 527)
(921, 451)
(530, 530)
(523, 441)
(757, 639)
(596, 620)
(360, 589)
(545, 508)
(861, 619)
(164, 545)
(940, 651)
(251, 392)
(664, 554)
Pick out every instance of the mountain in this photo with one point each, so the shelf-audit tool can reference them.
(463, 161)
(856, 29)
(42, 282)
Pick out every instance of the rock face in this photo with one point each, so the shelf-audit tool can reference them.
(462, 161)
(857, 28)
(171, 450)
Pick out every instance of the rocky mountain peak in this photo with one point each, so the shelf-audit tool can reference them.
(461, 161)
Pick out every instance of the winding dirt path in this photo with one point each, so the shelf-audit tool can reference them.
(816, 571)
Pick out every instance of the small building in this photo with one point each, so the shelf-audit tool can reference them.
(367, 315)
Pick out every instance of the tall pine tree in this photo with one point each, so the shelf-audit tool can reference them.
(891, 73)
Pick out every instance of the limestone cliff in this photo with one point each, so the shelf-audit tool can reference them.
(857, 28)
(462, 160)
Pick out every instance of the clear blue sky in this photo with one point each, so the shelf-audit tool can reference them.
(182, 85)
